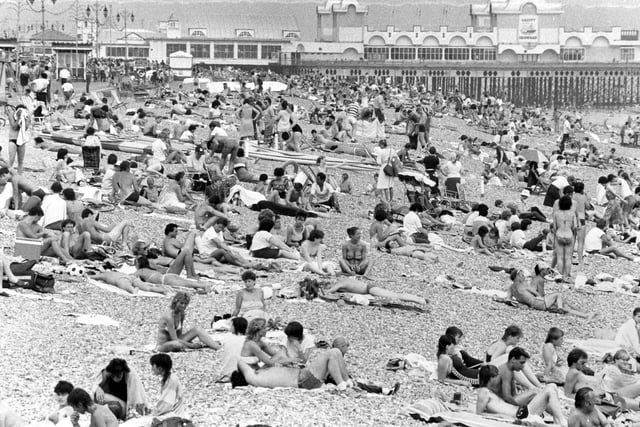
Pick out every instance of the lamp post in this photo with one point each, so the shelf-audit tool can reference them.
(41, 11)
(124, 16)
(97, 11)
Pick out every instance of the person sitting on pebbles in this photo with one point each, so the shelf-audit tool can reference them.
(250, 300)
(524, 293)
(172, 337)
(311, 252)
(355, 255)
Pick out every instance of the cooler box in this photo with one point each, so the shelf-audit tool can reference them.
(28, 248)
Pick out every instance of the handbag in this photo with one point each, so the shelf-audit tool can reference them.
(389, 168)
(43, 283)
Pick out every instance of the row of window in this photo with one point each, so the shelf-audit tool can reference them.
(121, 52)
(225, 51)
(430, 53)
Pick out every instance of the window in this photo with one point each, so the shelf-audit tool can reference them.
(138, 52)
(198, 33)
(199, 50)
(403, 53)
(270, 52)
(176, 47)
(483, 54)
(116, 52)
(430, 53)
(627, 54)
(456, 54)
(572, 54)
(291, 35)
(223, 51)
(529, 57)
(247, 51)
(376, 53)
(245, 34)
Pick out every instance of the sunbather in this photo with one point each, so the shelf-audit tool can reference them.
(448, 372)
(621, 379)
(102, 233)
(82, 403)
(363, 288)
(311, 254)
(355, 255)
(170, 329)
(129, 283)
(555, 370)
(498, 351)
(171, 278)
(576, 377)
(313, 376)
(491, 400)
(250, 299)
(522, 292)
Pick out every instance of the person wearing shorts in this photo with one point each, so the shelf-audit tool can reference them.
(266, 245)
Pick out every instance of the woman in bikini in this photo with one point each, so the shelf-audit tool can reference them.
(311, 254)
(170, 334)
(171, 278)
(355, 286)
(565, 226)
(355, 255)
(129, 283)
(255, 350)
(297, 233)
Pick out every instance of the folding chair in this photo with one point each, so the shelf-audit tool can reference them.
(91, 158)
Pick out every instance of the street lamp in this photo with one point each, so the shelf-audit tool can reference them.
(41, 11)
(124, 16)
(97, 11)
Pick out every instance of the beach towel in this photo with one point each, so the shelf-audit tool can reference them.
(247, 197)
(596, 347)
(94, 319)
(14, 293)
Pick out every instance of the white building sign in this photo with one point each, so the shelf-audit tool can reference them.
(528, 32)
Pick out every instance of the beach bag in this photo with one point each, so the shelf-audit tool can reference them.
(390, 168)
(43, 283)
(172, 422)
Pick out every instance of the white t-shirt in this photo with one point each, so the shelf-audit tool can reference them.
(195, 163)
(518, 239)
(40, 85)
(560, 182)
(411, 223)
(593, 240)
(187, 136)
(206, 246)
(158, 147)
(67, 87)
(218, 131)
(261, 240)
(504, 228)
(65, 74)
(324, 194)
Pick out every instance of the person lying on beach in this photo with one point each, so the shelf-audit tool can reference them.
(330, 362)
(355, 286)
(172, 337)
(129, 283)
(491, 396)
(171, 278)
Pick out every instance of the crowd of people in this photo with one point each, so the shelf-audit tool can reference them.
(200, 168)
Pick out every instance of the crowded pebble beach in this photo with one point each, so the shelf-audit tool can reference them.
(146, 266)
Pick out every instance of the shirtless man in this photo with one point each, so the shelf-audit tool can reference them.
(172, 247)
(125, 187)
(515, 362)
(226, 146)
(490, 400)
(73, 243)
(101, 233)
(129, 283)
(30, 229)
(355, 255)
(206, 214)
(576, 378)
(586, 414)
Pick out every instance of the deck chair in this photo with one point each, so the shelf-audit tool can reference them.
(115, 95)
(91, 158)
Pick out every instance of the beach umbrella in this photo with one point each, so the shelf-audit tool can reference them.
(534, 156)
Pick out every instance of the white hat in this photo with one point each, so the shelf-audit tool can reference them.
(525, 193)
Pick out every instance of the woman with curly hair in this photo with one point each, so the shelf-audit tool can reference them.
(170, 329)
